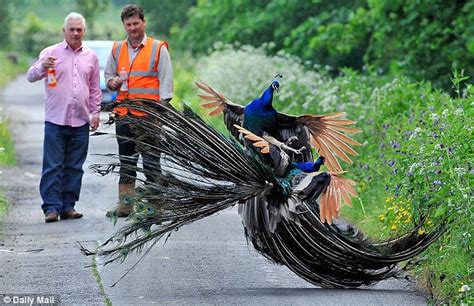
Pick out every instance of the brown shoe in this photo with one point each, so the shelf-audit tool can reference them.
(51, 217)
(121, 211)
(72, 214)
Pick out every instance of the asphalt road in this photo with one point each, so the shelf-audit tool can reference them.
(208, 262)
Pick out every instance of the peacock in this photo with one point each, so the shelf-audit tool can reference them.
(289, 208)
(295, 135)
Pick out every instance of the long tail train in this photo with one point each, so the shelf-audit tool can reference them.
(205, 173)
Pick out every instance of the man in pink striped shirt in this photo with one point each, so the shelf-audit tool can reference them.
(72, 105)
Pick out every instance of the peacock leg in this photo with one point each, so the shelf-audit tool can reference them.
(283, 146)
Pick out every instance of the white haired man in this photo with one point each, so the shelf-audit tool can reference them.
(72, 106)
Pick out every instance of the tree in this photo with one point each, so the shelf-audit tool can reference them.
(163, 15)
(5, 21)
(90, 9)
(425, 40)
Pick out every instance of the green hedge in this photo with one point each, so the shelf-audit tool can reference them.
(425, 40)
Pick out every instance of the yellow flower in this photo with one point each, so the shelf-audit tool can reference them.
(382, 218)
(394, 227)
(421, 231)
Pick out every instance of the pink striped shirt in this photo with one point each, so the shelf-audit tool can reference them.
(77, 95)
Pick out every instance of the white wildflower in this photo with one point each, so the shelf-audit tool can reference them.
(460, 170)
(464, 288)
(458, 112)
(413, 167)
(227, 70)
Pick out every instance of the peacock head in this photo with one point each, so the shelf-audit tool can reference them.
(318, 163)
(320, 160)
(276, 84)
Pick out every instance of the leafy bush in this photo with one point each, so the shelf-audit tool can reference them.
(11, 64)
(428, 152)
(425, 40)
(7, 149)
(33, 35)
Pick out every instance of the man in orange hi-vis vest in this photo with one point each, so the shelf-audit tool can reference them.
(138, 67)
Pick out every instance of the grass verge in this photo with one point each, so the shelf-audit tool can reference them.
(3, 209)
(10, 65)
(95, 272)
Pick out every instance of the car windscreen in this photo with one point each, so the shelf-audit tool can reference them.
(103, 55)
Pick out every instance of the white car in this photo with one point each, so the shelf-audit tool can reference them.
(103, 48)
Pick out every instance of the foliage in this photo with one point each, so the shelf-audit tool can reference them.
(405, 125)
(91, 9)
(162, 16)
(7, 148)
(38, 24)
(5, 22)
(3, 210)
(425, 39)
(11, 64)
(183, 77)
(228, 69)
(34, 35)
(430, 159)
(9, 71)
(422, 39)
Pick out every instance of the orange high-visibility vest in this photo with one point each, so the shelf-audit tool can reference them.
(143, 79)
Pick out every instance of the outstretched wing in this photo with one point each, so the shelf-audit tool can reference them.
(326, 133)
(217, 103)
(338, 192)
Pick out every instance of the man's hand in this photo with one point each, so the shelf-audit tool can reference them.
(95, 123)
(48, 62)
(114, 83)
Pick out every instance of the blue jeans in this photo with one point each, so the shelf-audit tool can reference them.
(64, 153)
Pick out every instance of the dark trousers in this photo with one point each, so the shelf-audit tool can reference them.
(64, 152)
(129, 154)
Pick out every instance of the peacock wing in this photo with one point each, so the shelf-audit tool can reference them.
(327, 134)
(217, 104)
(339, 191)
